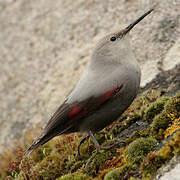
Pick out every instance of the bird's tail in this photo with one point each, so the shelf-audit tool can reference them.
(42, 139)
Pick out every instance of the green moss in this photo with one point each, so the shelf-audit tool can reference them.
(173, 106)
(154, 109)
(99, 160)
(59, 160)
(145, 178)
(161, 121)
(155, 160)
(126, 121)
(74, 176)
(139, 148)
(146, 132)
(142, 103)
(117, 173)
(151, 164)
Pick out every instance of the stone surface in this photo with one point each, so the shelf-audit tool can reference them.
(45, 46)
(173, 57)
(174, 174)
(171, 171)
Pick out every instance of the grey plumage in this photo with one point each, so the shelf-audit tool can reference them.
(106, 89)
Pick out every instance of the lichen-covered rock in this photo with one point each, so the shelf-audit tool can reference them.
(161, 121)
(74, 176)
(117, 173)
(139, 148)
(154, 109)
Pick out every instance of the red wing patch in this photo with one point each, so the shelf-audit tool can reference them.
(79, 112)
(111, 92)
(75, 111)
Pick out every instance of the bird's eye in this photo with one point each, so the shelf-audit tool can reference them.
(113, 38)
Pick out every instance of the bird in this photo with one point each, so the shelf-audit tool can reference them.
(106, 89)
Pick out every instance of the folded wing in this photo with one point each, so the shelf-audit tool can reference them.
(65, 119)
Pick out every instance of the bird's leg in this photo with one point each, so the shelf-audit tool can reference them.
(111, 145)
(98, 148)
(93, 156)
(87, 136)
(97, 145)
(83, 139)
(81, 142)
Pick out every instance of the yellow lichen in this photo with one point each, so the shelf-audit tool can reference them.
(154, 109)
(156, 159)
(174, 127)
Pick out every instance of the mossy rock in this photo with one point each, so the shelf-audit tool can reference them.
(161, 121)
(155, 160)
(55, 160)
(117, 173)
(154, 109)
(133, 178)
(99, 160)
(139, 148)
(173, 106)
(74, 176)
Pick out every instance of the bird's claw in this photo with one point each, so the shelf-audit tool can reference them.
(89, 161)
(81, 142)
(97, 146)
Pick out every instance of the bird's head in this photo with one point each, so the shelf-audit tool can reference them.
(115, 46)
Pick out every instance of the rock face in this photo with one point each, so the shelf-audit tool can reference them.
(173, 57)
(173, 174)
(171, 171)
(45, 46)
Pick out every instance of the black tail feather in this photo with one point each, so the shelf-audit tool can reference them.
(38, 142)
(43, 138)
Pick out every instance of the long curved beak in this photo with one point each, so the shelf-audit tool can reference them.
(128, 28)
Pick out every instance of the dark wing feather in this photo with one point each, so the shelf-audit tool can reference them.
(55, 126)
(66, 115)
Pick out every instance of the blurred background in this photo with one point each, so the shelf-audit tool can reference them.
(45, 46)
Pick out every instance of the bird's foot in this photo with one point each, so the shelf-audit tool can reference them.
(97, 151)
(89, 161)
(98, 148)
